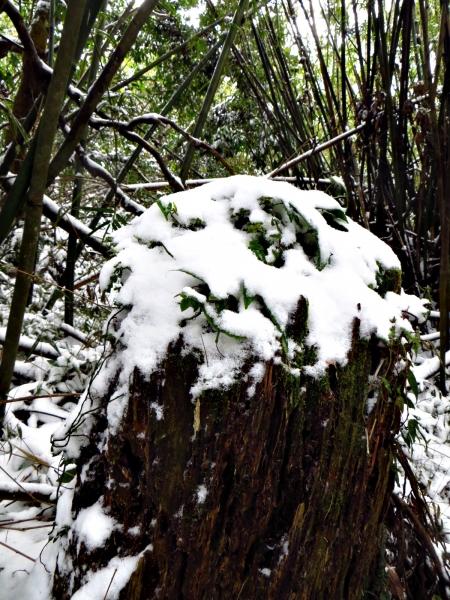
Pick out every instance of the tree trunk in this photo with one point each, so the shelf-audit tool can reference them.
(277, 496)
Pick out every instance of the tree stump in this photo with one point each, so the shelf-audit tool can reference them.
(272, 487)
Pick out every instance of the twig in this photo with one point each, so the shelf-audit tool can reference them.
(206, 354)
(160, 120)
(9, 528)
(17, 552)
(316, 150)
(425, 537)
(37, 518)
(62, 288)
(26, 491)
(113, 575)
(28, 398)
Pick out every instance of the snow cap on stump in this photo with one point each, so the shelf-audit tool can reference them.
(224, 266)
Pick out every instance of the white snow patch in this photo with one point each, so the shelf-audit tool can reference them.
(93, 526)
(201, 493)
(118, 573)
(159, 411)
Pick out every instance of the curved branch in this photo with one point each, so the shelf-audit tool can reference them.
(197, 143)
(22, 31)
(97, 170)
(156, 119)
(173, 181)
(425, 539)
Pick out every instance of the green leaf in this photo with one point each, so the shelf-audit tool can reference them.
(413, 383)
(166, 210)
(257, 250)
(255, 228)
(409, 403)
(67, 476)
(247, 298)
(338, 213)
(386, 384)
(400, 402)
(189, 302)
(54, 346)
(335, 221)
(413, 428)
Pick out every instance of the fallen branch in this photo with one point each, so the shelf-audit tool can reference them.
(425, 539)
(192, 183)
(27, 344)
(40, 493)
(17, 551)
(72, 225)
(85, 281)
(75, 333)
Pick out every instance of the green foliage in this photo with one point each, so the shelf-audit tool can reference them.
(257, 249)
(413, 383)
(167, 210)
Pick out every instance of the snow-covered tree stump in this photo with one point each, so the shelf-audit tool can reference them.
(239, 447)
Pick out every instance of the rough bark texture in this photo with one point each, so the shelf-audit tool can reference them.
(298, 481)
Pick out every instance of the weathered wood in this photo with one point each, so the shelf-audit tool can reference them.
(276, 496)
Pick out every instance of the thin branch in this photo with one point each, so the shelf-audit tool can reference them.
(316, 150)
(34, 397)
(70, 224)
(41, 495)
(156, 119)
(17, 552)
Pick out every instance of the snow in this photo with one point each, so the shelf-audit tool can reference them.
(429, 367)
(116, 575)
(163, 258)
(93, 526)
(27, 344)
(202, 492)
(339, 282)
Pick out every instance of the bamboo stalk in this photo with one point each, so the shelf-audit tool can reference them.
(214, 84)
(44, 143)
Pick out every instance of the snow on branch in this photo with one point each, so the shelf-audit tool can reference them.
(27, 344)
(72, 225)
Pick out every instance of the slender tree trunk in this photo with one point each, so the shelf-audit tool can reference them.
(34, 202)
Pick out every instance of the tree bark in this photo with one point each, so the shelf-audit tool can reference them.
(280, 495)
